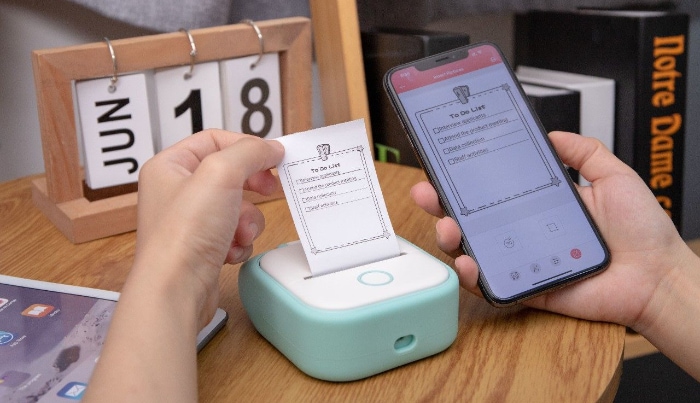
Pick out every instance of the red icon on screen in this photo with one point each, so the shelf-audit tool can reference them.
(576, 253)
(38, 310)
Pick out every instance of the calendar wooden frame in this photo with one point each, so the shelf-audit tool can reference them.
(59, 193)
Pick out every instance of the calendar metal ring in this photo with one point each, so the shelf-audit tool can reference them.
(113, 81)
(193, 52)
(260, 40)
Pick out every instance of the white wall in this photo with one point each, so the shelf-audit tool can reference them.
(26, 25)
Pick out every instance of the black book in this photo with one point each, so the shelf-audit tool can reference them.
(645, 52)
(557, 109)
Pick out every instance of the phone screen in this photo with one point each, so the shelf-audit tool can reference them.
(496, 173)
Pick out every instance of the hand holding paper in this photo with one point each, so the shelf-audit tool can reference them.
(333, 193)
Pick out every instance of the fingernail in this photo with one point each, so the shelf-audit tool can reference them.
(437, 234)
(254, 230)
(238, 254)
(276, 144)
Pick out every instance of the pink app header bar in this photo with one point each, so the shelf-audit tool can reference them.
(411, 78)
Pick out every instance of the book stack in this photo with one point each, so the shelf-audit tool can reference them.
(645, 53)
(557, 109)
(596, 103)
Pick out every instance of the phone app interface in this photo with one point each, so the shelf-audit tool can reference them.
(49, 343)
(520, 217)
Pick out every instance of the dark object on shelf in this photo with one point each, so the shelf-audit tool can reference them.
(655, 378)
(557, 109)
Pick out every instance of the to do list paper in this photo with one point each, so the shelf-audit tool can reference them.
(333, 193)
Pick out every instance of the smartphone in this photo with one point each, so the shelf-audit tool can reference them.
(496, 173)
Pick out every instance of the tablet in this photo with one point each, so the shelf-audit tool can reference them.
(51, 336)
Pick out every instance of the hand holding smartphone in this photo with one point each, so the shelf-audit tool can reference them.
(496, 173)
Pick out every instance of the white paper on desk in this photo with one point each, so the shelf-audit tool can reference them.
(332, 189)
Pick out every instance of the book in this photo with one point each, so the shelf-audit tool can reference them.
(557, 109)
(384, 48)
(597, 100)
(645, 52)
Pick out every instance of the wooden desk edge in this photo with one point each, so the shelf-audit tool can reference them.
(611, 391)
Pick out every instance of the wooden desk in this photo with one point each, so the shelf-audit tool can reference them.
(512, 354)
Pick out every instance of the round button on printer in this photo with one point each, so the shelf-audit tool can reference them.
(375, 277)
